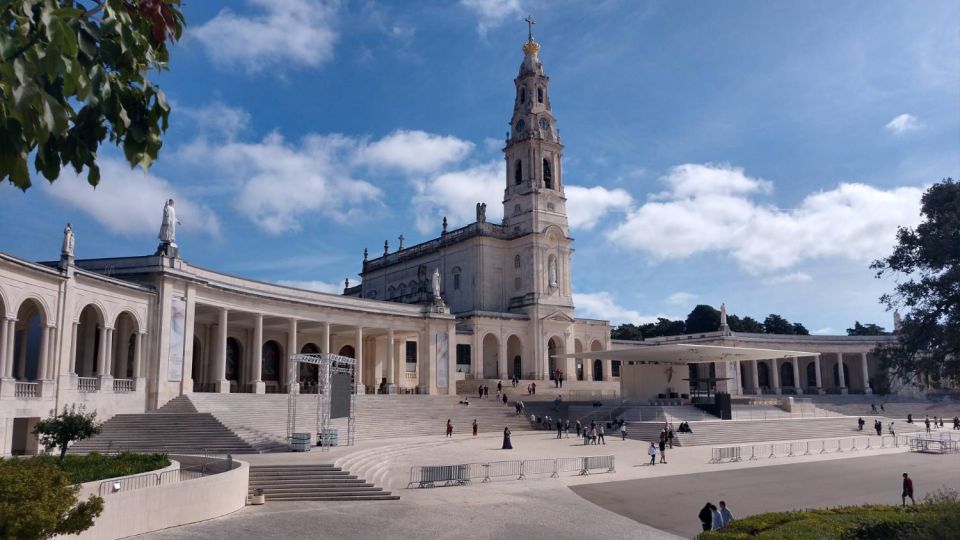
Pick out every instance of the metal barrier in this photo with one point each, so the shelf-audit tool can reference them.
(446, 475)
(207, 467)
(730, 454)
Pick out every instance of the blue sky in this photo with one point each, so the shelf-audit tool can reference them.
(754, 153)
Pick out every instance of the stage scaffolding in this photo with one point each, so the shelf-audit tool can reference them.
(327, 365)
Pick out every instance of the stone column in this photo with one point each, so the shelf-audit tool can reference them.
(797, 383)
(22, 361)
(8, 355)
(44, 351)
(502, 361)
(286, 364)
(775, 377)
(866, 374)
(138, 355)
(221, 384)
(73, 348)
(755, 378)
(256, 356)
(388, 366)
(106, 356)
(358, 350)
(3, 346)
(816, 369)
(843, 380)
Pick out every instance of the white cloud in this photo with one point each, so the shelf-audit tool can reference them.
(682, 298)
(285, 33)
(902, 124)
(455, 195)
(709, 208)
(793, 277)
(585, 206)
(313, 285)
(825, 331)
(601, 305)
(280, 183)
(218, 119)
(128, 201)
(414, 151)
(492, 13)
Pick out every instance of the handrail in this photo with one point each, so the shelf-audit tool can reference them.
(152, 479)
(751, 452)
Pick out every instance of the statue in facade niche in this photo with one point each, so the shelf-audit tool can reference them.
(481, 212)
(67, 249)
(552, 272)
(168, 227)
(436, 284)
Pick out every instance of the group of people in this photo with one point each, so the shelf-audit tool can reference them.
(592, 434)
(519, 406)
(713, 518)
(652, 452)
(532, 389)
(684, 427)
(558, 378)
(927, 422)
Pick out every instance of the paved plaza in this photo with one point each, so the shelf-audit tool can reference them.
(636, 501)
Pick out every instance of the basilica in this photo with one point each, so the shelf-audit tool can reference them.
(488, 301)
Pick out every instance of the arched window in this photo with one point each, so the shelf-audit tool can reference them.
(518, 173)
(540, 95)
(547, 175)
(521, 126)
(456, 278)
(516, 261)
(523, 95)
(811, 375)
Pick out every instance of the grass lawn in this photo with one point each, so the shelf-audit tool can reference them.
(936, 517)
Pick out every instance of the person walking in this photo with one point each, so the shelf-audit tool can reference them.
(907, 490)
(497, 399)
(499, 386)
(663, 452)
(878, 426)
(926, 422)
(956, 422)
(529, 390)
(600, 433)
(475, 426)
(533, 387)
(670, 437)
(486, 391)
(449, 428)
(506, 439)
(504, 399)
(726, 516)
(480, 390)
(941, 421)
(860, 422)
(559, 429)
(706, 516)
(579, 428)
(891, 429)
(623, 432)
(560, 378)
(652, 452)
(566, 429)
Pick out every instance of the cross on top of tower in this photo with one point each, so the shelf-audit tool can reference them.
(530, 23)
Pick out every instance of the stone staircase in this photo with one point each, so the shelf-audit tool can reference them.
(171, 433)
(732, 432)
(261, 418)
(896, 410)
(319, 482)
(665, 413)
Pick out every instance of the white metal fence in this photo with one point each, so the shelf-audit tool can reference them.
(461, 474)
(729, 454)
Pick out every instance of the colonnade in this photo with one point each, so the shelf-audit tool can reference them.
(801, 382)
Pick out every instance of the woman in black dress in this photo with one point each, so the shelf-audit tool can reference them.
(506, 439)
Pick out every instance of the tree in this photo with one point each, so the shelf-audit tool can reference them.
(866, 330)
(799, 329)
(38, 501)
(74, 73)
(746, 324)
(627, 331)
(60, 430)
(926, 261)
(703, 318)
(775, 324)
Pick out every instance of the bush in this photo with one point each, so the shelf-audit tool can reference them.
(37, 500)
(94, 466)
(935, 518)
(73, 424)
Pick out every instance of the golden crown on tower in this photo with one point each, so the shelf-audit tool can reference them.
(531, 47)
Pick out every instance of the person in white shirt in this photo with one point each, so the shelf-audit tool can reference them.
(652, 452)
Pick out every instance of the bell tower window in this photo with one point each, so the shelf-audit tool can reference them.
(540, 95)
(523, 95)
(518, 173)
(547, 175)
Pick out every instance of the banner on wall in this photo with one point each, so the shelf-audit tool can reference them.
(178, 317)
(442, 359)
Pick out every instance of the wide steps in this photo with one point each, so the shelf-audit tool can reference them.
(313, 483)
(187, 432)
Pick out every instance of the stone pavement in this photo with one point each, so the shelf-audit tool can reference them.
(672, 503)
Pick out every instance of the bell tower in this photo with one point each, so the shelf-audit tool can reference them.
(533, 199)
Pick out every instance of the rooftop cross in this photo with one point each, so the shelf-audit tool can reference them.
(530, 23)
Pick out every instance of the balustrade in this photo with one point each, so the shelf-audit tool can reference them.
(26, 390)
(87, 384)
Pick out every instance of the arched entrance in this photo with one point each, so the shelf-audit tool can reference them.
(811, 375)
(125, 343)
(555, 348)
(27, 348)
(88, 342)
(786, 375)
(836, 375)
(270, 370)
(491, 353)
(348, 351)
(234, 365)
(596, 346)
(763, 374)
(578, 348)
(515, 354)
(309, 373)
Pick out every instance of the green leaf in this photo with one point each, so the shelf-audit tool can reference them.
(93, 175)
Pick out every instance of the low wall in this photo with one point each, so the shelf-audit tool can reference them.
(149, 509)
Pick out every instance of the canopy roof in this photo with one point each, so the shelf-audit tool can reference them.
(677, 353)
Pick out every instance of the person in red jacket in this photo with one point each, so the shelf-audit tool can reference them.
(907, 490)
(449, 428)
